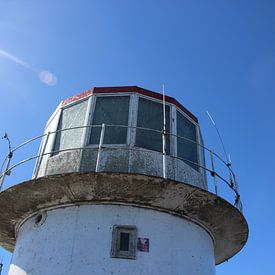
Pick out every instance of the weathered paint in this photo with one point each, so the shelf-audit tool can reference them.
(77, 240)
(145, 162)
(222, 220)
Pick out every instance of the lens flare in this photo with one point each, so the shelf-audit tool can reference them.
(48, 78)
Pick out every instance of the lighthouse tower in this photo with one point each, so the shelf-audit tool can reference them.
(119, 187)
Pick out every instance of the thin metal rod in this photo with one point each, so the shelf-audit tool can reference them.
(232, 183)
(41, 155)
(213, 173)
(7, 171)
(22, 162)
(238, 202)
(100, 147)
(3, 164)
(125, 148)
(28, 141)
(164, 136)
(236, 183)
(220, 137)
(123, 126)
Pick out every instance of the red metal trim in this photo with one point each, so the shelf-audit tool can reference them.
(77, 97)
(128, 89)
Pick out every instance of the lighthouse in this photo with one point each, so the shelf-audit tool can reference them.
(120, 187)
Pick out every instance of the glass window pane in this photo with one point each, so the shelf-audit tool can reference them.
(124, 241)
(186, 148)
(112, 110)
(73, 116)
(150, 115)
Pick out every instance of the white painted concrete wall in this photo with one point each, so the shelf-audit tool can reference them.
(77, 240)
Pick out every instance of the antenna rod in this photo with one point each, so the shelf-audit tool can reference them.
(9, 142)
(220, 137)
(163, 101)
(164, 135)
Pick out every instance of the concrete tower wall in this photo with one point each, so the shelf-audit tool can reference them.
(78, 240)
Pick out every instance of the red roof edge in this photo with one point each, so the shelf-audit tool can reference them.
(127, 89)
(77, 97)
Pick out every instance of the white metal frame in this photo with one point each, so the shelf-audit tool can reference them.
(93, 106)
(170, 124)
(197, 134)
(88, 98)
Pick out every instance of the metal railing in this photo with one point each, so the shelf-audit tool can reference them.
(230, 181)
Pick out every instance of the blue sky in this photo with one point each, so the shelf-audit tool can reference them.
(211, 55)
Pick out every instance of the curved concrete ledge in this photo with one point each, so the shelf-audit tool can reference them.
(223, 221)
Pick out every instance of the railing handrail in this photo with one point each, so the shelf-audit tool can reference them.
(232, 184)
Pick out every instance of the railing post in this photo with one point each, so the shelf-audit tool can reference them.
(164, 135)
(164, 171)
(100, 146)
(238, 202)
(6, 172)
(41, 155)
(213, 173)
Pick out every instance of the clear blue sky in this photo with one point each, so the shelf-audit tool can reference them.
(211, 55)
